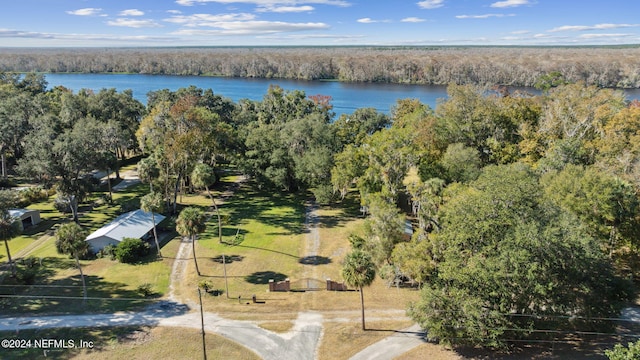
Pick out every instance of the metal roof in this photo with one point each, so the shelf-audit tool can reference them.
(133, 224)
(18, 213)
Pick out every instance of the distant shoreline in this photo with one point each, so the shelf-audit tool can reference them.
(604, 66)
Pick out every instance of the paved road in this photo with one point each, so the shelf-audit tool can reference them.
(299, 343)
(393, 346)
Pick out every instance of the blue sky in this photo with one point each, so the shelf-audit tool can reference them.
(318, 22)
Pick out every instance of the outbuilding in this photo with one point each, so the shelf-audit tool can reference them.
(28, 217)
(135, 224)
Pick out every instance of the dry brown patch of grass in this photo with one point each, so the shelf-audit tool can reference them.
(280, 327)
(342, 340)
(430, 352)
(167, 343)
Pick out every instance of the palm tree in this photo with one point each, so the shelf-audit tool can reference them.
(153, 202)
(70, 240)
(201, 177)
(191, 222)
(359, 270)
(9, 228)
(148, 170)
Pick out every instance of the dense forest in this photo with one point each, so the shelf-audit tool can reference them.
(525, 209)
(610, 67)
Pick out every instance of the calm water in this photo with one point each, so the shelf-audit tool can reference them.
(346, 97)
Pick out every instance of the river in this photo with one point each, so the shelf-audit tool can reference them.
(346, 97)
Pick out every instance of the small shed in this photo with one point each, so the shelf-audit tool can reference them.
(135, 224)
(28, 217)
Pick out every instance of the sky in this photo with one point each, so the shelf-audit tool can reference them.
(132, 23)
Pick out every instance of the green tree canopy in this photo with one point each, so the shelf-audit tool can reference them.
(506, 258)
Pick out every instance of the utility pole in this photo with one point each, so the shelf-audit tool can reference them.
(204, 346)
(226, 283)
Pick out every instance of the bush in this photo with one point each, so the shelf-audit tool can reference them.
(620, 352)
(26, 276)
(131, 250)
(62, 205)
(108, 251)
(205, 285)
(7, 183)
(33, 194)
(145, 289)
(324, 194)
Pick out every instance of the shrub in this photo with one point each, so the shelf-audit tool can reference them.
(62, 205)
(27, 276)
(33, 194)
(323, 194)
(205, 285)
(130, 250)
(145, 289)
(108, 251)
(621, 352)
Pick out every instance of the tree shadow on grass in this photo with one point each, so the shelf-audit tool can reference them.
(50, 295)
(227, 259)
(100, 338)
(349, 210)
(269, 250)
(263, 277)
(315, 260)
(283, 211)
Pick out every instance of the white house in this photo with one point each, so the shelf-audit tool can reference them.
(135, 224)
(28, 217)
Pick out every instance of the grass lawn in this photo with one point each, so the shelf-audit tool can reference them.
(272, 247)
(130, 343)
(57, 285)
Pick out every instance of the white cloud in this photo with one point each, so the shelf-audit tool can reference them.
(483, 16)
(431, 4)
(371, 21)
(285, 9)
(412, 20)
(520, 32)
(208, 19)
(596, 36)
(79, 38)
(175, 12)
(131, 12)
(85, 12)
(266, 3)
(133, 23)
(252, 28)
(592, 27)
(311, 36)
(509, 3)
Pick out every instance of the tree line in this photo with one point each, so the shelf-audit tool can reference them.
(524, 208)
(611, 67)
